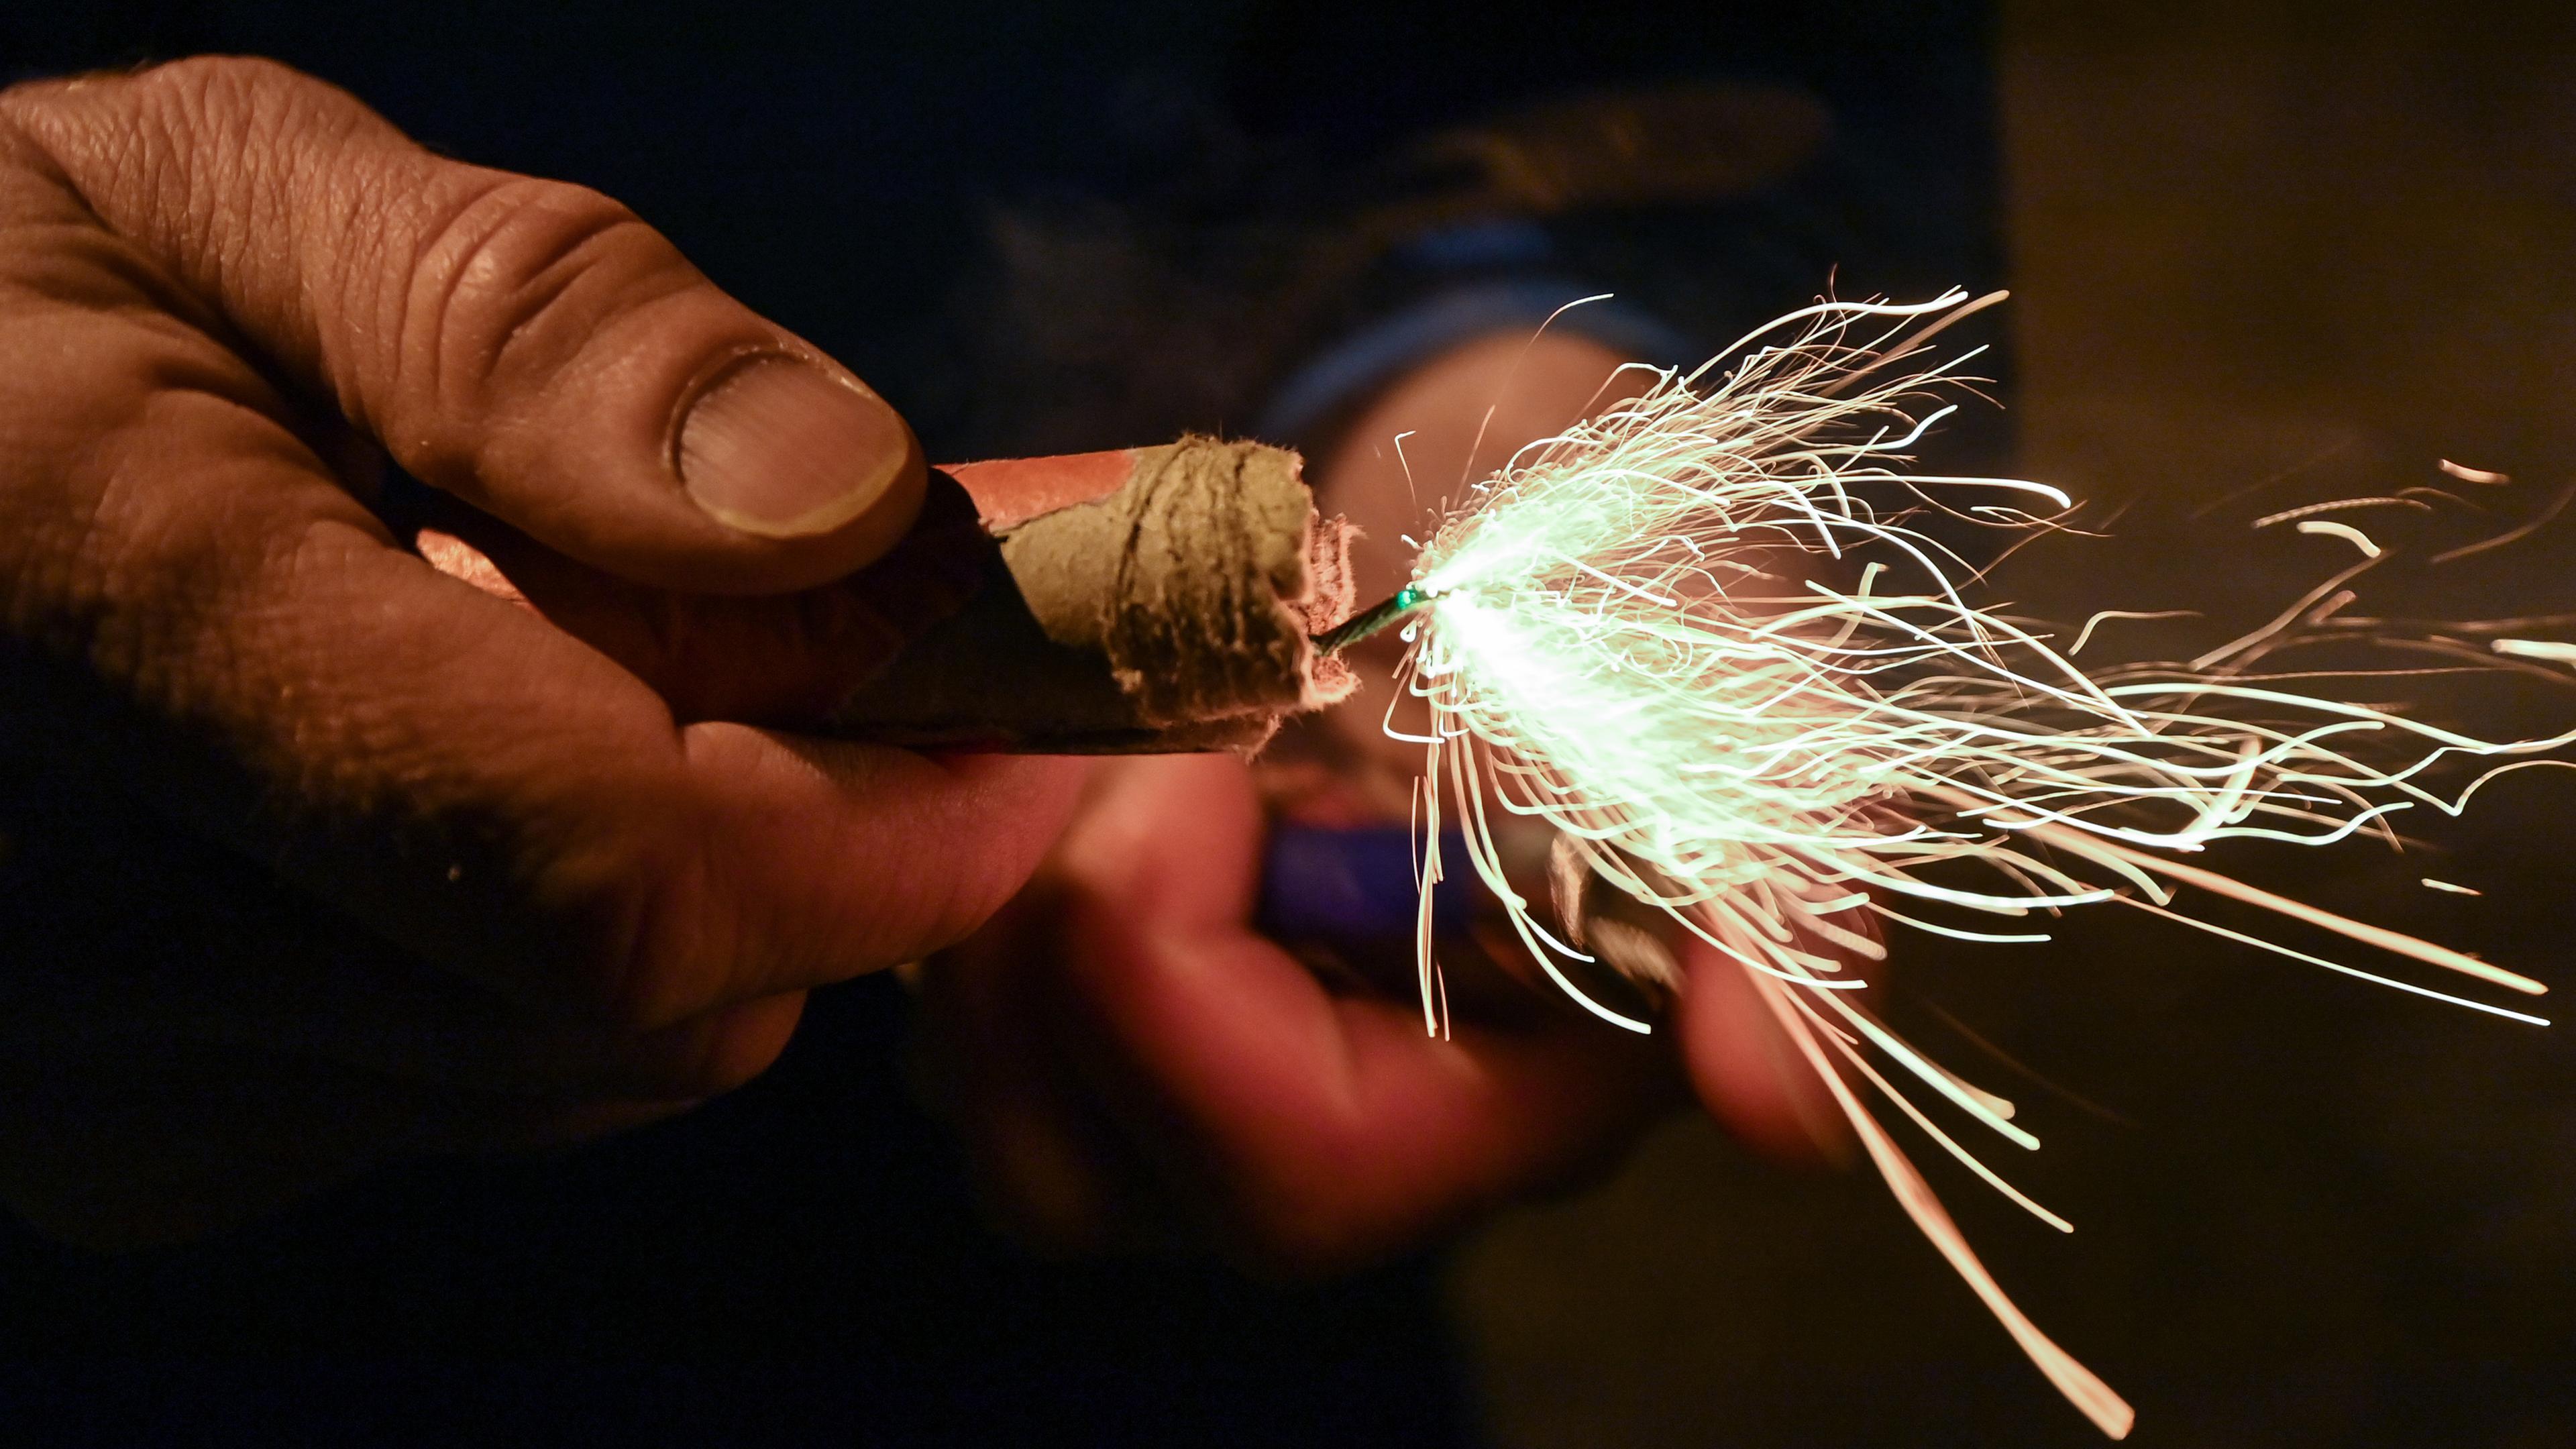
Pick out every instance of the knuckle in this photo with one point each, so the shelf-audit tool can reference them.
(643, 967)
(188, 82)
(209, 87)
(193, 158)
(23, 103)
(223, 79)
(140, 123)
(511, 278)
(102, 555)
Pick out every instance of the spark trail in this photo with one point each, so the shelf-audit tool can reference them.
(1710, 639)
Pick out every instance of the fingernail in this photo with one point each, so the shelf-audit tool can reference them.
(780, 448)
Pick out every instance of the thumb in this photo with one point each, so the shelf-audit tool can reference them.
(526, 345)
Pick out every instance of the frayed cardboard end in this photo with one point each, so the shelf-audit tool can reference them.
(1331, 594)
(1151, 600)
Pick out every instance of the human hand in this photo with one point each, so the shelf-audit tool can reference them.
(227, 294)
(1126, 1057)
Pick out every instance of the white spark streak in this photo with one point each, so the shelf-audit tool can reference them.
(2536, 649)
(2473, 475)
(2344, 531)
(1611, 644)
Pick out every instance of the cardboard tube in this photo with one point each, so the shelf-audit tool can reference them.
(1140, 601)
(1137, 601)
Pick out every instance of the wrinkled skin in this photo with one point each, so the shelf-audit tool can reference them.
(226, 291)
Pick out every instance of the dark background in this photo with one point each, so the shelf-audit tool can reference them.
(2299, 249)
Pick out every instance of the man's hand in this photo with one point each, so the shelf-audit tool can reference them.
(227, 294)
(1127, 1057)
(1125, 1052)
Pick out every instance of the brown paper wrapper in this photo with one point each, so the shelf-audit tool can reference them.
(1137, 601)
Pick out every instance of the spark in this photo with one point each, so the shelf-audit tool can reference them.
(2344, 531)
(2556, 506)
(1634, 633)
(2549, 649)
(2337, 506)
(2467, 474)
(2085, 635)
